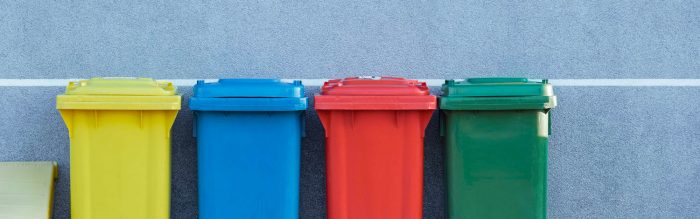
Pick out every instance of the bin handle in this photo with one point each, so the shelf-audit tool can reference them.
(549, 122)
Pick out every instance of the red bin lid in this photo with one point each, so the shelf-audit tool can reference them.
(374, 93)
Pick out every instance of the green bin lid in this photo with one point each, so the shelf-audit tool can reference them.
(497, 94)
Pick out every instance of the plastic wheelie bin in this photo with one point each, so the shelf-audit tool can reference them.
(496, 132)
(248, 138)
(374, 146)
(26, 189)
(119, 131)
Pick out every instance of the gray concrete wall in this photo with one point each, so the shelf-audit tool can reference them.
(616, 152)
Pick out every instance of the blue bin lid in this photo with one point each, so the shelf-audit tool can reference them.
(248, 95)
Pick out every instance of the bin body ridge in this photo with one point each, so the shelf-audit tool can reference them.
(120, 149)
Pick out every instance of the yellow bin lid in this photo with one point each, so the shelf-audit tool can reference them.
(26, 189)
(120, 94)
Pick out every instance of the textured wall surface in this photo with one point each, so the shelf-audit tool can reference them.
(615, 152)
(293, 39)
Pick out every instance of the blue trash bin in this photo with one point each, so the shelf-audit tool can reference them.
(248, 135)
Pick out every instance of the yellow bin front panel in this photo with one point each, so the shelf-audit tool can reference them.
(120, 163)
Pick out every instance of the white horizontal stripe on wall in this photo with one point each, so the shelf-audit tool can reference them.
(431, 82)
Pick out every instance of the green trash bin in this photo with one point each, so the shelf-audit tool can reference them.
(496, 132)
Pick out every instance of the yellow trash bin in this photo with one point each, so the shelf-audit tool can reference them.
(119, 130)
(26, 189)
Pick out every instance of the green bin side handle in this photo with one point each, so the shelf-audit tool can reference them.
(549, 122)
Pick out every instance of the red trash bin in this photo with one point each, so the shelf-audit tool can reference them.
(374, 146)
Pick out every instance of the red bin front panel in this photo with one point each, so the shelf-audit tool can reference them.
(375, 163)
